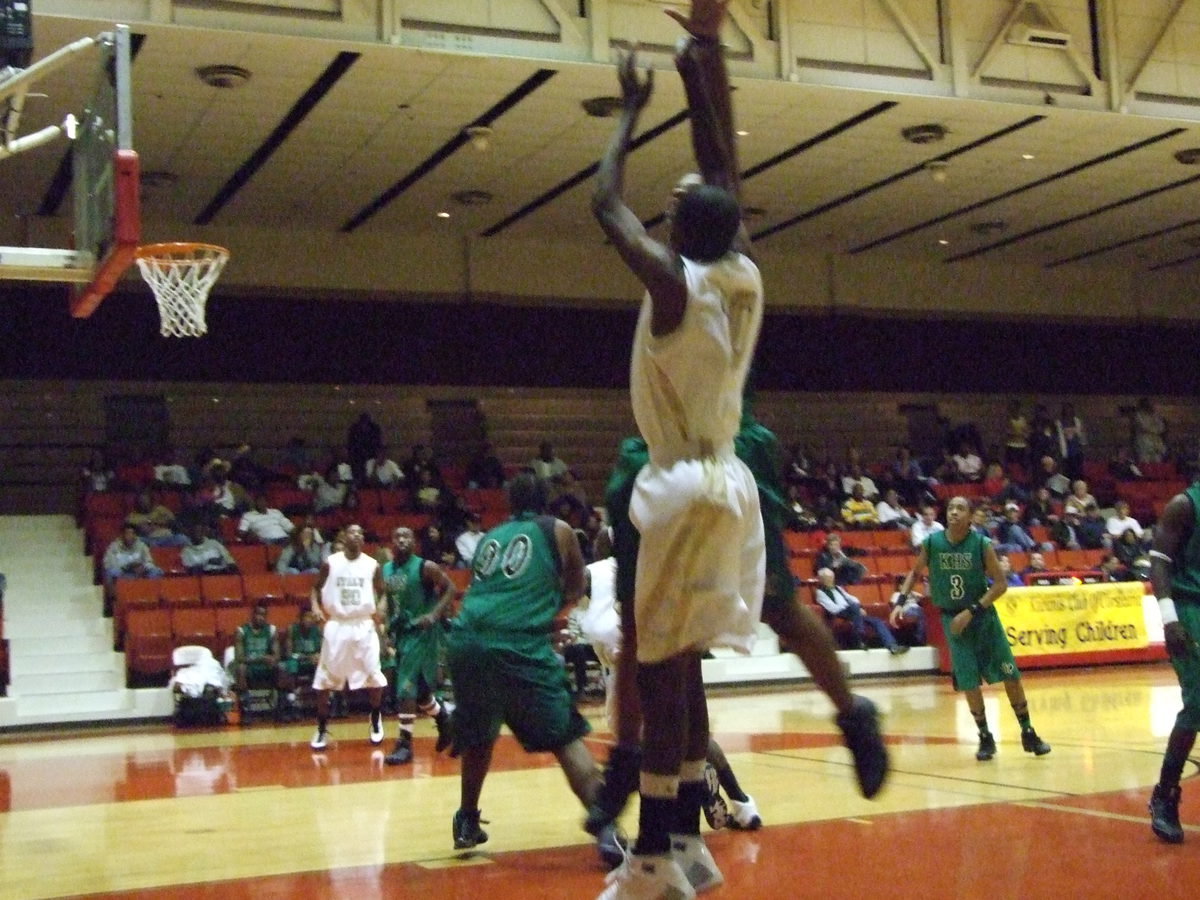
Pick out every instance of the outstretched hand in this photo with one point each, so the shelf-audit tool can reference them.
(635, 92)
(706, 18)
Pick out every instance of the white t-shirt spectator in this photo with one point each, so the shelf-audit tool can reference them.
(1118, 525)
(270, 526)
(387, 473)
(919, 531)
(466, 544)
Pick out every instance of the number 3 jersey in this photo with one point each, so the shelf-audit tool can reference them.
(957, 575)
(517, 585)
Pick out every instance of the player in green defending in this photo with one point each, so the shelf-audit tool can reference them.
(1175, 573)
(965, 581)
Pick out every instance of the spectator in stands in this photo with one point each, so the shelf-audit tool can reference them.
(1053, 480)
(339, 462)
(438, 547)
(419, 461)
(128, 557)
(890, 512)
(834, 558)
(968, 466)
(154, 523)
(1016, 440)
(1123, 468)
(839, 603)
(228, 497)
(1040, 508)
(265, 524)
(907, 613)
(1037, 565)
(925, 525)
(1079, 499)
(801, 517)
(1149, 433)
(303, 555)
(855, 476)
(467, 542)
(1131, 555)
(1065, 531)
(245, 470)
(329, 490)
(993, 478)
(798, 466)
(1008, 491)
(1011, 536)
(205, 555)
(983, 520)
(1121, 521)
(1011, 577)
(858, 511)
(1072, 439)
(382, 472)
(826, 510)
(485, 471)
(363, 440)
(256, 658)
(426, 494)
(829, 480)
(907, 476)
(169, 472)
(548, 467)
(98, 475)
(1092, 532)
(1043, 441)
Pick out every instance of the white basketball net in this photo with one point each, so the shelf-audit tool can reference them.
(181, 276)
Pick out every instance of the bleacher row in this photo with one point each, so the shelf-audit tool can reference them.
(379, 512)
(152, 616)
(888, 556)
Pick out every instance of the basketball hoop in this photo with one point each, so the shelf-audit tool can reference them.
(181, 276)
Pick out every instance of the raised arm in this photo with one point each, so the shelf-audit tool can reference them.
(656, 266)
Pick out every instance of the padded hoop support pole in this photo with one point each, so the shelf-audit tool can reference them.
(127, 234)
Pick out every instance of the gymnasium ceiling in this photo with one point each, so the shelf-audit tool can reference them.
(338, 135)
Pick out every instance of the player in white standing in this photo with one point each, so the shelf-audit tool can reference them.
(349, 598)
(701, 563)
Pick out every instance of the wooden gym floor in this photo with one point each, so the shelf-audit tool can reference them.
(252, 812)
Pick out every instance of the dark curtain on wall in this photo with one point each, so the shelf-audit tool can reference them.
(325, 341)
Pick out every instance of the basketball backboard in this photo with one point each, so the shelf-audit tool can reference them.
(106, 210)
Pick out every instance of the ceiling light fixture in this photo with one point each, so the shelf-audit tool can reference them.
(443, 215)
(1027, 156)
(741, 132)
(929, 133)
(480, 137)
(937, 169)
(601, 107)
(223, 76)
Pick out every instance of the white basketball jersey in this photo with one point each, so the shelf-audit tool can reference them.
(686, 387)
(349, 591)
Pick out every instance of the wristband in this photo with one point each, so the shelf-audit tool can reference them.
(1158, 554)
(1166, 608)
(976, 609)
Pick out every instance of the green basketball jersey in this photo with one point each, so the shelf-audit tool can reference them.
(517, 578)
(1185, 577)
(957, 576)
(408, 597)
(256, 641)
(301, 643)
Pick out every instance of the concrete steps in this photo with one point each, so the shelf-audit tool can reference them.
(63, 668)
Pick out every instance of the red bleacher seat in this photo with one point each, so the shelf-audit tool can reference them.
(460, 577)
(107, 504)
(299, 587)
(222, 590)
(184, 591)
(1159, 471)
(264, 587)
(195, 625)
(394, 501)
(892, 564)
(168, 559)
(283, 617)
(796, 541)
(250, 558)
(148, 642)
(895, 539)
(131, 594)
(229, 619)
